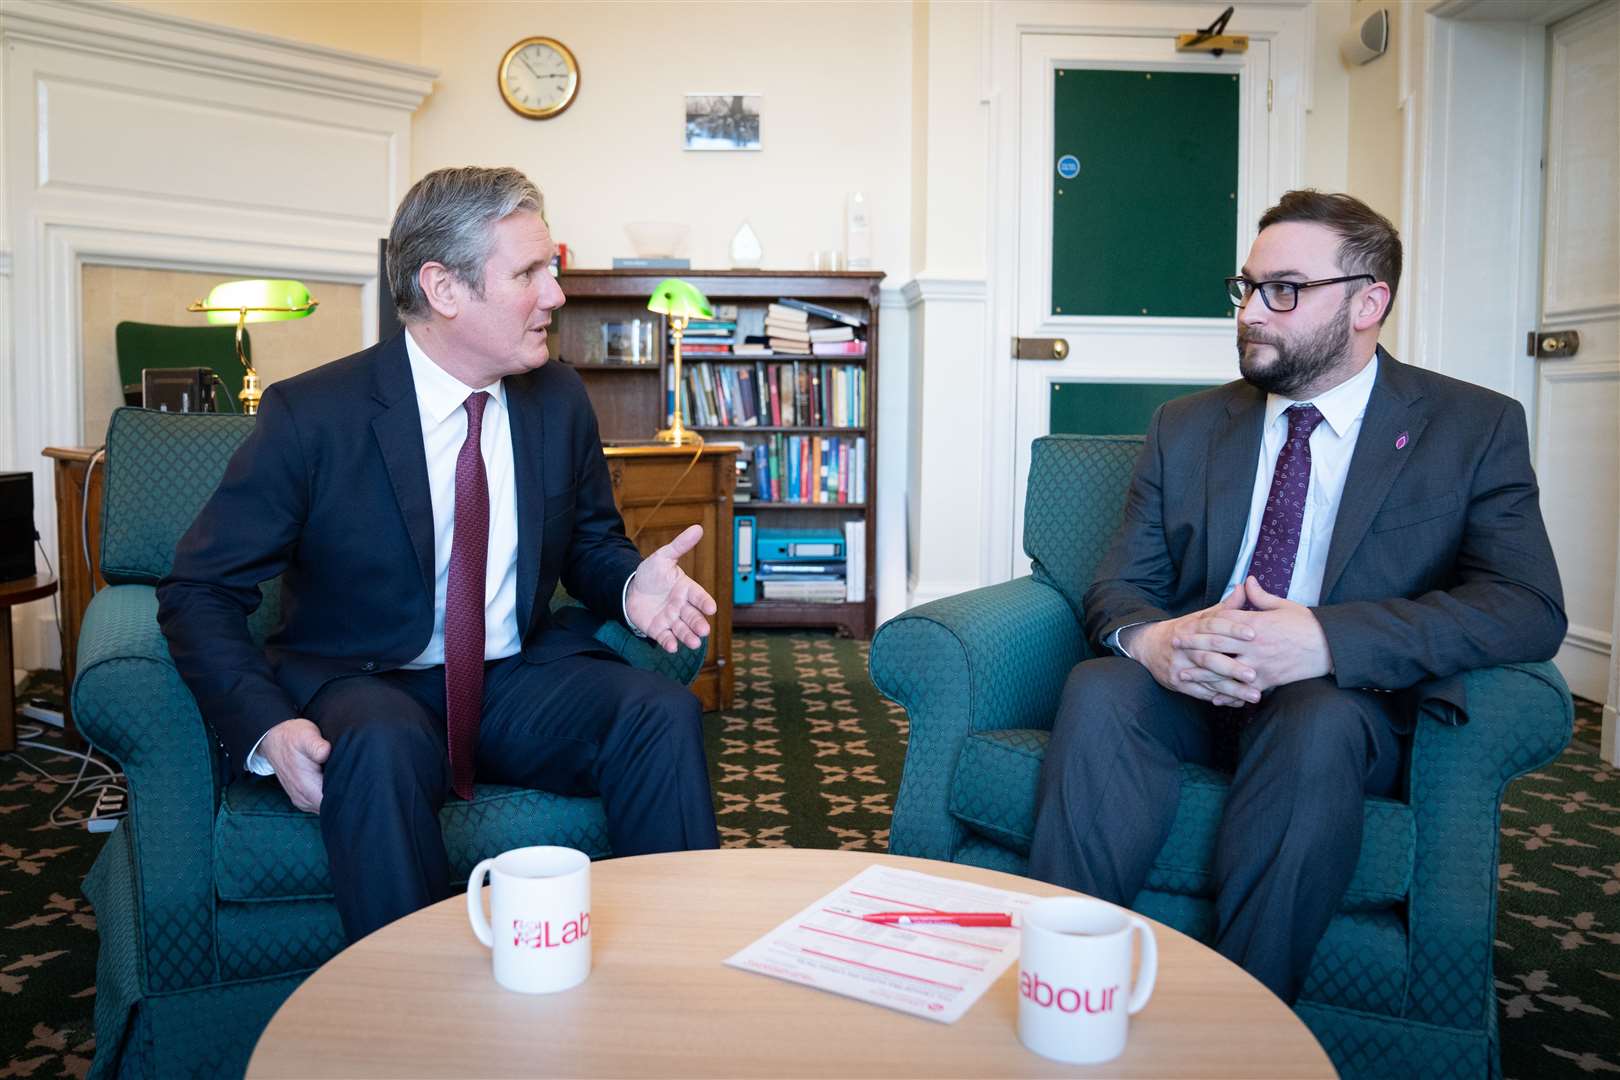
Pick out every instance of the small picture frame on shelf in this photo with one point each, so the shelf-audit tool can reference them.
(628, 342)
(723, 121)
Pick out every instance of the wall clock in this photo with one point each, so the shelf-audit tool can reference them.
(538, 77)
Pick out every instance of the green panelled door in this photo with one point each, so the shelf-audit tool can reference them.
(1144, 204)
(1110, 408)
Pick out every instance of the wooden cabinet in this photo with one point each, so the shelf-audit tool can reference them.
(631, 399)
(642, 476)
(663, 490)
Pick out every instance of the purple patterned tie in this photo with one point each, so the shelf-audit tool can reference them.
(1278, 545)
(464, 603)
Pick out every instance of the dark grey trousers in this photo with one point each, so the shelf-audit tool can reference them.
(1288, 843)
(579, 725)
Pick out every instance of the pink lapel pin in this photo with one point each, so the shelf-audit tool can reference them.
(1400, 441)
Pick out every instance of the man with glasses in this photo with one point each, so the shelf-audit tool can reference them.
(1305, 554)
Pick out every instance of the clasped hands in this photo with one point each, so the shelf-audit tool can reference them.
(1228, 656)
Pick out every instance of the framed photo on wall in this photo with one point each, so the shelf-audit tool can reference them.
(723, 121)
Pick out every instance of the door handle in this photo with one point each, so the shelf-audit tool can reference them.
(1040, 348)
(1553, 344)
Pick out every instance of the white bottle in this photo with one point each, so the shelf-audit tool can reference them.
(746, 252)
(857, 233)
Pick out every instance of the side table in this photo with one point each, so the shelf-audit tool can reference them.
(12, 593)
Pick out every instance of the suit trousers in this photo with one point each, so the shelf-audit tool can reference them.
(1291, 832)
(578, 725)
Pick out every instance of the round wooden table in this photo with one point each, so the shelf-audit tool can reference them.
(417, 998)
(12, 593)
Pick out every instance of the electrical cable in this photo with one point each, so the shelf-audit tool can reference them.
(659, 505)
(84, 516)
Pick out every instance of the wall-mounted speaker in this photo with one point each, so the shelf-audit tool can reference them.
(1367, 42)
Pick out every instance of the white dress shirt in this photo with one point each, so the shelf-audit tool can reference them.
(441, 400)
(1332, 445)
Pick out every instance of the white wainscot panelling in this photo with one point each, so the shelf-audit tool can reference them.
(1580, 482)
(1584, 113)
(215, 153)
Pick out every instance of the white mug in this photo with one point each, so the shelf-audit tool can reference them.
(1075, 996)
(540, 926)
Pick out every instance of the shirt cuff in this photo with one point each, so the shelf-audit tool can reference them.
(257, 763)
(1112, 640)
(624, 605)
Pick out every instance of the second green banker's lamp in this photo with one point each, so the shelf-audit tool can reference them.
(254, 300)
(681, 301)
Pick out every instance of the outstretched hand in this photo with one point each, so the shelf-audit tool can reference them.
(664, 603)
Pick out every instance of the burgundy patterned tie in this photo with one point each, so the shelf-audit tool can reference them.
(1278, 545)
(464, 603)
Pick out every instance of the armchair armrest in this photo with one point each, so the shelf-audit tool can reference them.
(984, 660)
(1520, 716)
(130, 703)
(682, 665)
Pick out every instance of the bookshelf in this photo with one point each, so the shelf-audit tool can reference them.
(630, 399)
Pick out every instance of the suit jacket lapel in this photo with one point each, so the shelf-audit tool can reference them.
(1393, 410)
(1229, 482)
(399, 436)
(528, 439)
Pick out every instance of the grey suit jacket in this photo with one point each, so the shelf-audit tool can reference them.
(1439, 561)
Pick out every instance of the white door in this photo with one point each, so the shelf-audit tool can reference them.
(1577, 420)
(1137, 349)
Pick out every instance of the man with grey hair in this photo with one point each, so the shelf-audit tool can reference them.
(420, 501)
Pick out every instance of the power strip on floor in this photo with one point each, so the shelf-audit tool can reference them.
(110, 806)
(41, 711)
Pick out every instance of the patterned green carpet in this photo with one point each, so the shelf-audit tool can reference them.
(810, 756)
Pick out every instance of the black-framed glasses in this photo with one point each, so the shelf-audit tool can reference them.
(1279, 295)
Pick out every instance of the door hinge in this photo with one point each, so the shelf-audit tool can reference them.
(1268, 95)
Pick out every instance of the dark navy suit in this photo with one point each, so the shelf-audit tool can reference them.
(331, 492)
(1439, 563)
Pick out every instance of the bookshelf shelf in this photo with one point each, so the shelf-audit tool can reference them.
(734, 429)
(632, 409)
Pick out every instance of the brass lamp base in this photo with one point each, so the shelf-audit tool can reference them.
(676, 435)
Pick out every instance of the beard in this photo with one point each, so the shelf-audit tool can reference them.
(1299, 363)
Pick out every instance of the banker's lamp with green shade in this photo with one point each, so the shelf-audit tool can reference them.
(255, 300)
(681, 301)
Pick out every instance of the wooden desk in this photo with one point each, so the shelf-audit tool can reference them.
(417, 998)
(12, 593)
(642, 475)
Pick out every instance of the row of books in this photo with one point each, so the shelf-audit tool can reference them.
(804, 469)
(795, 394)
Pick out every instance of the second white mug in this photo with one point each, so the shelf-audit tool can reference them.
(539, 929)
(1075, 994)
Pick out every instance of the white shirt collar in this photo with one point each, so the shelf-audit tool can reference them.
(1340, 406)
(438, 393)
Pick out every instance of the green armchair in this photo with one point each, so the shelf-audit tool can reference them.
(1402, 980)
(213, 901)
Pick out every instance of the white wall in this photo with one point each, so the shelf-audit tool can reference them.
(836, 82)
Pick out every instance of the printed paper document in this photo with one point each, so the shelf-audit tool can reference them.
(932, 970)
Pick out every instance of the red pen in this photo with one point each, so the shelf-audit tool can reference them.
(954, 918)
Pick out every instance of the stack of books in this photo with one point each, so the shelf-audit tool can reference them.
(711, 337)
(801, 328)
(813, 566)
